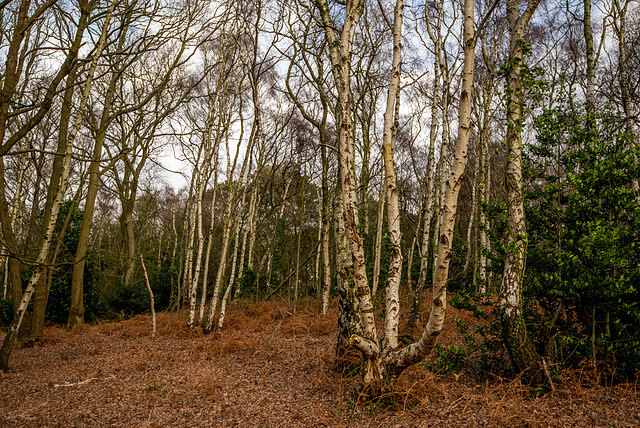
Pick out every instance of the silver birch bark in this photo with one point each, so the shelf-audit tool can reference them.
(396, 362)
(316, 272)
(620, 25)
(340, 54)
(247, 227)
(392, 292)
(151, 299)
(522, 352)
(472, 216)
(207, 254)
(378, 249)
(591, 62)
(431, 178)
(193, 284)
(16, 291)
(232, 277)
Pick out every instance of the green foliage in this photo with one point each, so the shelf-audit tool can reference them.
(6, 312)
(470, 303)
(583, 222)
(160, 282)
(247, 284)
(59, 301)
(448, 359)
(128, 300)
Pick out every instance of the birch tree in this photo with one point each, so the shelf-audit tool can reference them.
(514, 332)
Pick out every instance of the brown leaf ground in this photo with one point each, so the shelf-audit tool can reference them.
(264, 371)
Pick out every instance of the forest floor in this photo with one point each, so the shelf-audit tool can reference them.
(263, 370)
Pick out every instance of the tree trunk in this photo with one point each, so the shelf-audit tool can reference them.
(153, 305)
(514, 332)
(232, 277)
(76, 311)
(40, 295)
(483, 188)
(428, 217)
(591, 62)
(396, 362)
(471, 243)
(378, 248)
(392, 292)
(301, 224)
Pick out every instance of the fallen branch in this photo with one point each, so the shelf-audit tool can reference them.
(80, 383)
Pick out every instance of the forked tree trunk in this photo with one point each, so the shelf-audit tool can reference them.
(395, 361)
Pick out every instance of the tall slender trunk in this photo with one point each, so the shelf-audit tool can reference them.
(326, 226)
(205, 275)
(514, 332)
(76, 311)
(483, 189)
(228, 223)
(316, 272)
(378, 248)
(174, 251)
(232, 276)
(430, 177)
(12, 264)
(245, 234)
(275, 235)
(620, 25)
(591, 62)
(193, 283)
(130, 238)
(41, 292)
(188, 288)
(471, 243)
(414, 240)
(301, 224)
(392, 291)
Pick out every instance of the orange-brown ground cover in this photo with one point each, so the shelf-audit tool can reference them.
(263, 370)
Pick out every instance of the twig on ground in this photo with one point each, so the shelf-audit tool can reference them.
(66, 384)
